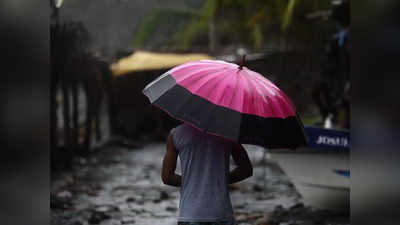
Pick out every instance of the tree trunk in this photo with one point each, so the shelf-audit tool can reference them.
(75, 116)
(97, 123)
(108, 80)
(54, 82)
(212, 37)
(66, 110)
(89, 120)
(53, 117)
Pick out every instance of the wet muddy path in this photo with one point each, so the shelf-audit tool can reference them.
(123, 186)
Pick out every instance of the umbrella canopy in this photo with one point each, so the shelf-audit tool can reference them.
(141, 61)
(228, 100)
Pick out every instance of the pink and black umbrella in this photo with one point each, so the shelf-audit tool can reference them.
(228, 100)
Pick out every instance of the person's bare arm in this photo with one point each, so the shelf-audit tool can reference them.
(244, 168)
(168, 175)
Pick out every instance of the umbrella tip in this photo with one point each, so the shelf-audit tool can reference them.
(242, 61)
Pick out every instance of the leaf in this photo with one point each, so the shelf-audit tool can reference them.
(58, 3)
(193, 29)
(287, 14)
(257, 36)
(209, 9)
(156, 19)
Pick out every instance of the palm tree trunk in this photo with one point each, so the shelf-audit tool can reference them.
(97, 122)
(66, 110)
(212, 37)
(108, 80)
(53, 117)
(53, 93)
(89, 119)
(75, 116)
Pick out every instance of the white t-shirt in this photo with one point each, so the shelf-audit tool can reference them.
(205, 175)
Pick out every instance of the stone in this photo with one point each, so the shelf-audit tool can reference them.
(140, 202)
(59, 203)
(93, 161)
(69, 180)
(130, 199)
(171, 209)
(64, 194)
(77, 222)
(126, 220)
(104, 208)
(90, 191)
(98, 217)
(257, 188)
(264, 196)
(163, 195)
(111, 222)
(82, 161)
(263, 220)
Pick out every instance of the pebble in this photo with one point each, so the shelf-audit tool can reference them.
(111, 222)
(82, 161)
(64, 194)
(257, 188)
(98, 217)
(126, 220)
(163, 195)
(105, 208)
(130, 199)
(140, 202)
(171, 209)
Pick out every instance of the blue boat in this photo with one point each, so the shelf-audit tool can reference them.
(328, 139)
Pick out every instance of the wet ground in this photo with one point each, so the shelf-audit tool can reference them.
(122, 185)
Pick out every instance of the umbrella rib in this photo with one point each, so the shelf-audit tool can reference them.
(234, 93)
(265, 96)
(192, 74)
(216, 84)
(255, 87)
(273, 113)
(207, 82)
(276, 91)
(262, 80)
(250, 92)
(281, 96)
(224, 92)
(196, 63)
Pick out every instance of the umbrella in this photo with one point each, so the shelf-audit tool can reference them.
(230, 101)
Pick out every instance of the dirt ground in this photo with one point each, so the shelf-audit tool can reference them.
(122, 185)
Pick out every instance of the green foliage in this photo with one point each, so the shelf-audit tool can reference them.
(58, 3)
(287, 14)
(197, 26)
(184, 38)
(257, 36)
(209, 9)
(155, 20)
(235, 20)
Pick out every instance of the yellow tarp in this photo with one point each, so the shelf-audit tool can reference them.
(140, 61)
